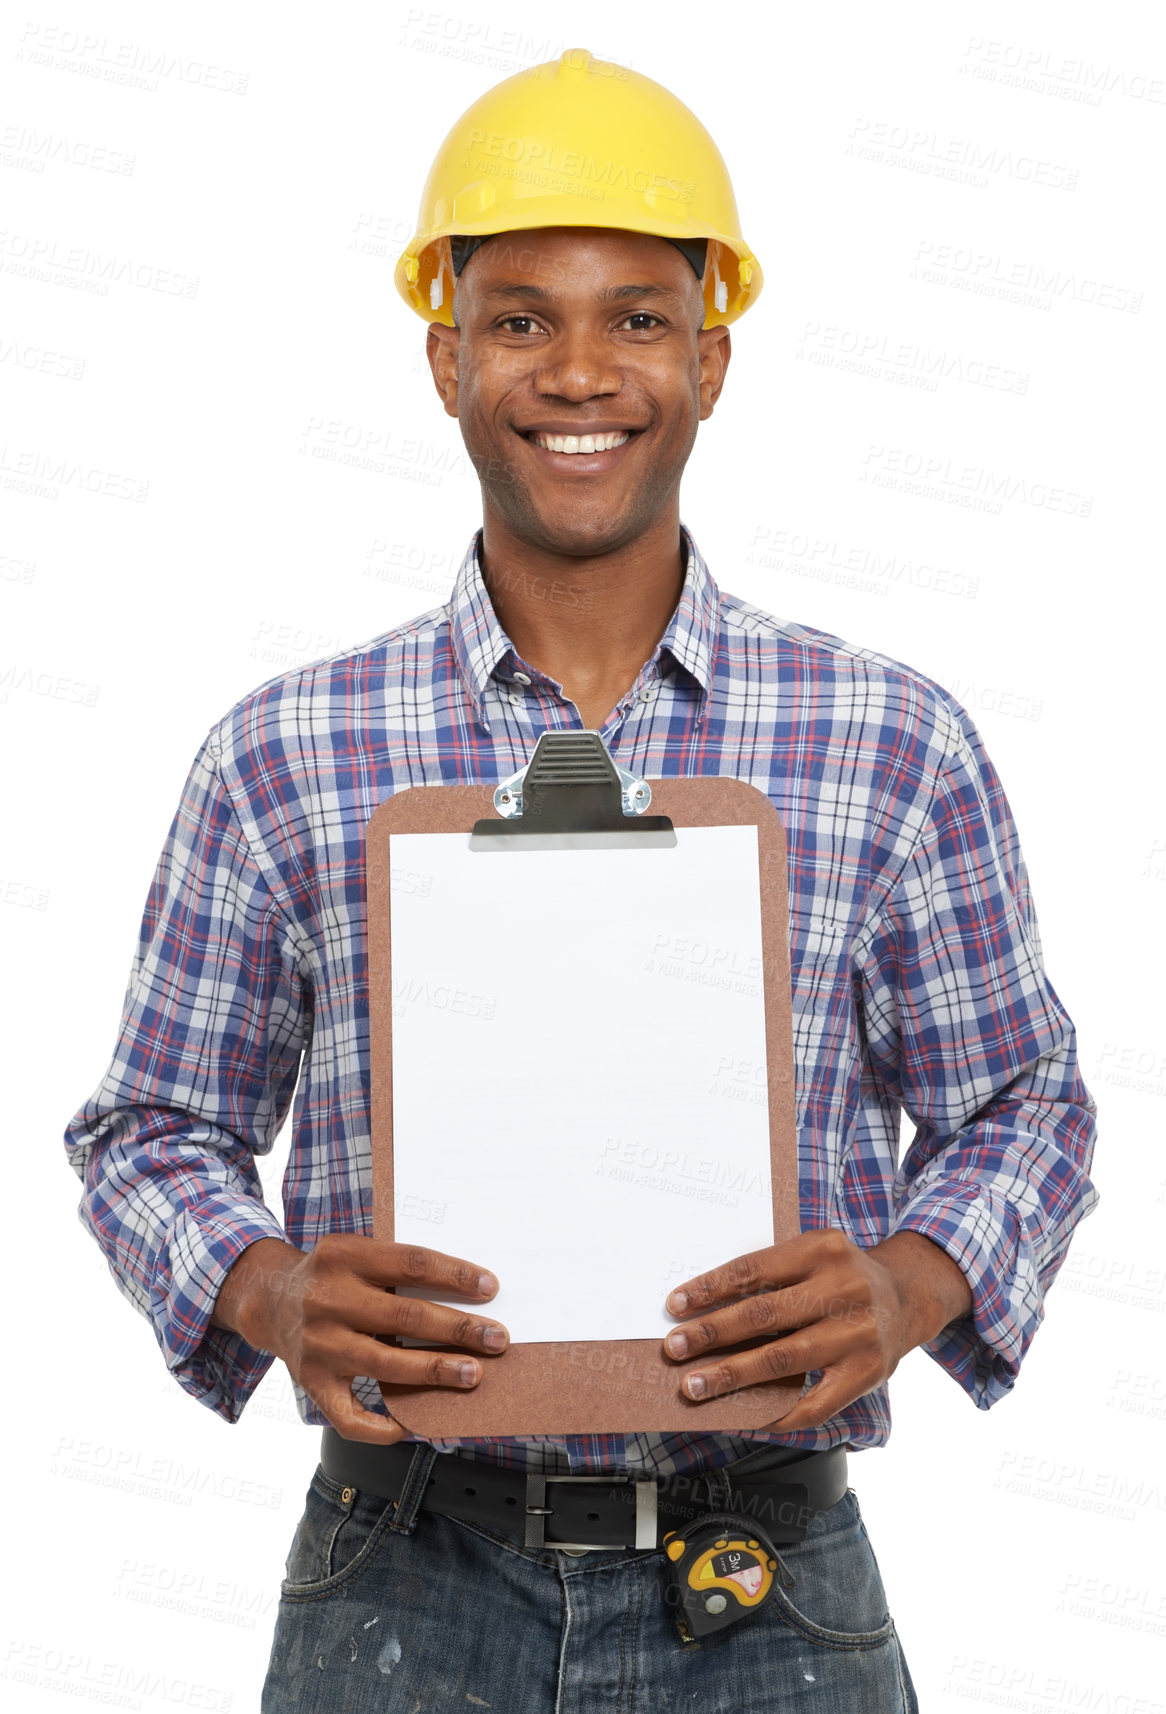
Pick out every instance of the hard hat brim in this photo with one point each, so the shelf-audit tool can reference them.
(735, 273)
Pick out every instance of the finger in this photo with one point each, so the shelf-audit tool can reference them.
(816, 1347)
(767, 1312)
(373, 1310)
(356, 1354)
(416, 1266)
(827, 1294)
(778, 1265)
(426, 1368)
(388, 1264)
(837, 1389)
(350, 1418)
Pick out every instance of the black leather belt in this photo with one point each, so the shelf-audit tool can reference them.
(593, 1511)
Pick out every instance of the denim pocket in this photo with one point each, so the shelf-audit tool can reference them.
(336, 1538)
(837, 1598)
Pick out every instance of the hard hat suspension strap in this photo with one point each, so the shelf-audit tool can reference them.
(462, 247)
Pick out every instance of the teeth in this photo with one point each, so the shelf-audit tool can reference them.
(581, 442)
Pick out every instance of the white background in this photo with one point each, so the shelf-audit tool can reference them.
(275, 161)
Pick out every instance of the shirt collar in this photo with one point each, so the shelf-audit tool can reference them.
(691, 635)
(480, 645)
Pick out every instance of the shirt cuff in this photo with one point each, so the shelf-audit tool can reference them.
(983, 1234)
(217, 1367)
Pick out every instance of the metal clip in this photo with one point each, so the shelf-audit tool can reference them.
(572, 796)
(635, 793)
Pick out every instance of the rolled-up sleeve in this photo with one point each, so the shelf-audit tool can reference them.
(215, 1019)
(964, 1029)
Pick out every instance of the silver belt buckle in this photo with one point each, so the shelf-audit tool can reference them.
(537, 1512)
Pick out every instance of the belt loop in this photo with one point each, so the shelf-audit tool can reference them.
(720, 1493)
(408, 1502)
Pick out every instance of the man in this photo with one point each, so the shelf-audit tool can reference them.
(579, 340)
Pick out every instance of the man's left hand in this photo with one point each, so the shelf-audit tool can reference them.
(849, 1312)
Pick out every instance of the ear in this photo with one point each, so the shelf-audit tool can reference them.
(715, 348)
(441, 348)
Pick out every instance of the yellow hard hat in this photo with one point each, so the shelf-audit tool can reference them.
(579, 142)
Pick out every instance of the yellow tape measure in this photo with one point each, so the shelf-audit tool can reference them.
(721, 1568)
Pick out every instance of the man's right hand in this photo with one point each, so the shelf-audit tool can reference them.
(320, 1311)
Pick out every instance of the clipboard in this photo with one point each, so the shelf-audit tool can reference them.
(572, 796)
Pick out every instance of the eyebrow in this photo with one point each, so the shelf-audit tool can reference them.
(611, 294)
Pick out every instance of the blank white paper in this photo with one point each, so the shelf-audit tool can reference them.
(579, 1076)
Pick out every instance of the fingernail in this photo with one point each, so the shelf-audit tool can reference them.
(467, 1373)
(486, 1284)
(697, 1386)
(493, 1339)
(678, 1303)
(677, 1344)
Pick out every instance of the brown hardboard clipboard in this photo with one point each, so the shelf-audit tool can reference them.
(589, 1386)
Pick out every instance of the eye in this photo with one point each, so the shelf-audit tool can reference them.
(518, 324)
(643, 319)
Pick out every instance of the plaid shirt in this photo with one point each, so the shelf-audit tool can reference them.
(917, 979)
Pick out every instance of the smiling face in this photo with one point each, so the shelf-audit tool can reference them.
(578, 372)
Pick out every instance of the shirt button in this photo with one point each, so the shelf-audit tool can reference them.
(517, 699)
(522, 678)
(648, 694)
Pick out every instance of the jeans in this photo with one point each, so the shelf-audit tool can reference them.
(407, 1612)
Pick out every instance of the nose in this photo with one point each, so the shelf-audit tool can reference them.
(578, 365)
